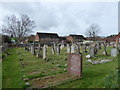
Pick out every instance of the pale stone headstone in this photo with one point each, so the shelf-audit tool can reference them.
(114, 52)
(33, 50)
(39, 54)
(72, 48)
(68, 48)
(44, 52)
(92, 52)
(62, 46)
(55, 47)
(75, 64)
(53, 50)
(58, 49)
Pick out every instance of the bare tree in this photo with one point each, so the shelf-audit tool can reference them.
(18, 27)
(93, 31)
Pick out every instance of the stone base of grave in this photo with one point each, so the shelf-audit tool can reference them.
(52, 81)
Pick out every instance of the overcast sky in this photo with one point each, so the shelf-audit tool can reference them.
(66, 18)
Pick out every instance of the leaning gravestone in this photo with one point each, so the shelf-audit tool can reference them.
(114, 52)
(75, 64)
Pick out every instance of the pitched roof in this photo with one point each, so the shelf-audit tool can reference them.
(77, 36)
(51, 35)
(31, 38)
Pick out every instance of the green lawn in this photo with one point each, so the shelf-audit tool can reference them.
(93, 75)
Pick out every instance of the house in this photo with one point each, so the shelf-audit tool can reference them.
(62, 39)
(31, 39)
(75, 38)
(46, 37)
(118, 38)
(111, 38)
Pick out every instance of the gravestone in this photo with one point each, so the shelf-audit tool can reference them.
(114, 52)
(92, 51)
(44, 52)
(39, 54)
(62, 46)
(58, 49)
(75, 64)
(85, 49)
(68, 48)
(78, 49)
(33, 50)
(53, 50)
(72, 48)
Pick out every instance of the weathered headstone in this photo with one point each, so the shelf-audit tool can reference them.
(92, 51)
(62, 46)
(72, 48)
(53, 50)
(58, 49)
(68, 48)
(75, 64)
(32, 49)
(44, 52)
(39, 54)
(114, 52)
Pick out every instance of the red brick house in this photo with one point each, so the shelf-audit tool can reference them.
(46, 37)
(31, 38)
(75, 38)
(118, 38)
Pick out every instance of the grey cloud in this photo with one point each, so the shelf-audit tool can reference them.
(66, 18)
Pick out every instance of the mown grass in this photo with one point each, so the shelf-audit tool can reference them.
(11, 74)
(34, 67)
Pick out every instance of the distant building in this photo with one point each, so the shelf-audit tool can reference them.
(31, 38)
(75, 38)
(46, 37)
(62, 39)
(118, 38)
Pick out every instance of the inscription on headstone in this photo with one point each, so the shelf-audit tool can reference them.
(75, 64)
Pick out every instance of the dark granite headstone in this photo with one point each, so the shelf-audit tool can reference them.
(75, 64)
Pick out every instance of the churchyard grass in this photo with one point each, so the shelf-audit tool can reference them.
(93, 75)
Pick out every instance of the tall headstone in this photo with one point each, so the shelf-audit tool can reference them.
(68, 48)
(39, 54)
(33, 49)
(92, 51)
(105, 48)
(72, 48)
(53, 50)
(58, 49)
(62, 46)
(75, 64)
(44, 52)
